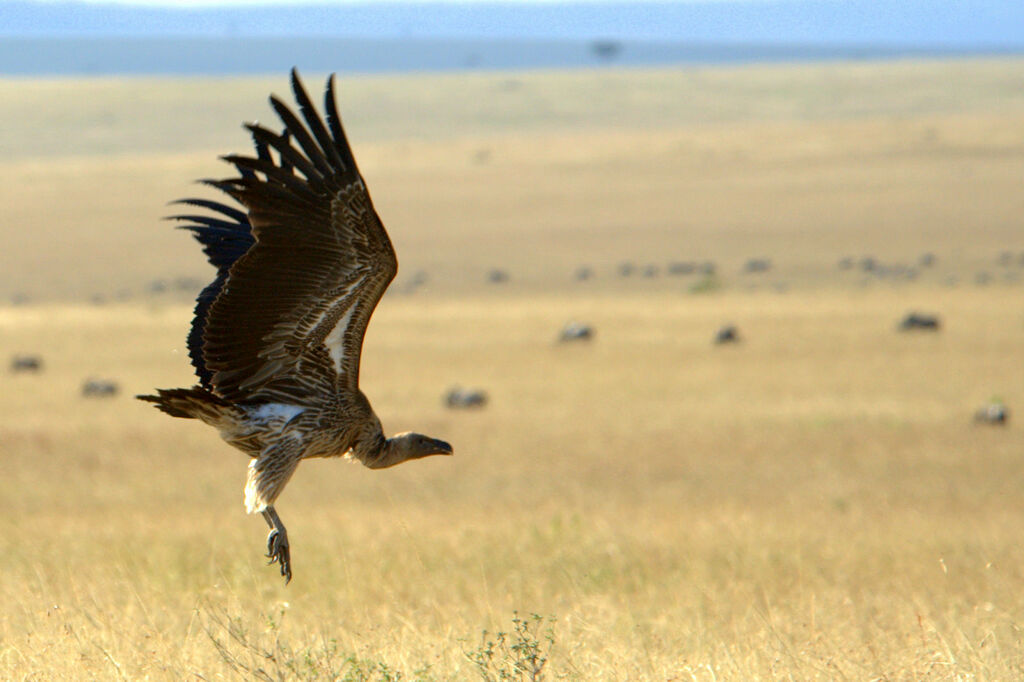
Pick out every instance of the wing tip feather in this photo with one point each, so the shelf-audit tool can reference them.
(232, 363)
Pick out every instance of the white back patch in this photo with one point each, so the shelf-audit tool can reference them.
(273, 411)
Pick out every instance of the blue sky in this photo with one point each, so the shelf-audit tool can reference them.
(941, 24)
(243, 3)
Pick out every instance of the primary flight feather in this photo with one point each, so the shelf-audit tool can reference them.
(277, 336)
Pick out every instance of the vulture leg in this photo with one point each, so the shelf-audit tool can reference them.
(277, 543)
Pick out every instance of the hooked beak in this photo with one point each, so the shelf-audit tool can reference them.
(441, 447)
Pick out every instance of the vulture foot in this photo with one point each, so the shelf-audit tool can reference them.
(277, 550)
(277, 544)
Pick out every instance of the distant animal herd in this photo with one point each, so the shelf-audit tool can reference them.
(577, 332)
(1007, 266)
(572, 333)
(91, 387)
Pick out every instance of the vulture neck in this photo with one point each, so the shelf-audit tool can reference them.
(388, 452)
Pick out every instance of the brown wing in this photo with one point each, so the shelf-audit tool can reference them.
(288, 324)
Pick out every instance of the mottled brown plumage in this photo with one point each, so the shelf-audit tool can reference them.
(277, 336)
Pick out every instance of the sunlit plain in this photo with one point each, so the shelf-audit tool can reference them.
(814, 502)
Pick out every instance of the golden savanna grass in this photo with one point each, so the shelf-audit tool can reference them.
(812, 503)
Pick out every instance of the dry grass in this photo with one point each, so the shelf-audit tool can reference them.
(813, 503)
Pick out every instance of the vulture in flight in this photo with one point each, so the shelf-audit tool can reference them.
(277, 335)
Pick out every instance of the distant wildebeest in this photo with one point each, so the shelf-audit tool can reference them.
(727, 334)
(846, 263)
(583, 273)
(681, 268)
(914, 321)
(650, 271)
(707, 268)
(868, 264)
(755, 265)
(626, 269)
(497, 276)
(993, 413)
(418, 279)
(457, 398)
(99, 388)
(26, 363)
(576, 331)
(926, 260)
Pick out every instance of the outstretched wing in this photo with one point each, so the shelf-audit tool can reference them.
(225, 237)
(287, 322)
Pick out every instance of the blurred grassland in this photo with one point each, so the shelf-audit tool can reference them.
(812, 503)
(541, 172)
